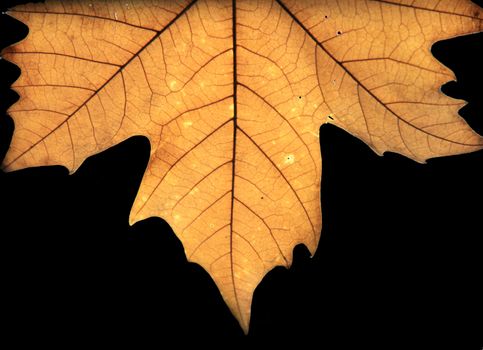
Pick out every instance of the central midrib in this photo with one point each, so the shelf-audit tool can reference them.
(235, 126)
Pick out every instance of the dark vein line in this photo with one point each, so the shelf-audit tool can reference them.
(251, 246)
(72, 143)
(235, 111)
(206, 239)
(54, 85)
(286, 180)
(92, 125)
(283, 118)
(424, 9)
(178, 160)
(266, 225)
(318, 79)
(440, 124)
(273, 62)
(364, 114)
(424, 103)
(394, 60)
(121, 68)
(39, 110)
(146, 78)
(217, 259)
(253, 184)
(120, 47)
(404, 140)
(197, 108)
(198, 182)
(124, 105)
(204, 210)
(357, 81)
(201, 68)
(87, 16)
(60, 54)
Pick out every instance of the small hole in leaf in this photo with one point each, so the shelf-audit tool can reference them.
(261, 197)
(339, 32)
(330, 117)
(326, 16)
(300, 96)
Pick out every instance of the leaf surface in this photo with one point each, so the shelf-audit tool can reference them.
(231, 96)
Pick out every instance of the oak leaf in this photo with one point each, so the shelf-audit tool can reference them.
(231, 95)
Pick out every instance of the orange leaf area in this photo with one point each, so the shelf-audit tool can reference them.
(231, 95)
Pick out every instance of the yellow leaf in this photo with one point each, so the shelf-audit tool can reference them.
(231, 96)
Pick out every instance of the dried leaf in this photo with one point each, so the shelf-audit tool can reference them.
(231, 96)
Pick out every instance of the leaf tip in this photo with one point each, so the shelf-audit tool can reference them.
(135, 216)
(132, 219)
(245, 328)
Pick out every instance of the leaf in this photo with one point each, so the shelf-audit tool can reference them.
(231, 96)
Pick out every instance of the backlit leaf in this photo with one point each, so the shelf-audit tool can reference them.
(231, 95)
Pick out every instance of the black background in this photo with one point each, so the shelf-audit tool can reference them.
(399, 260)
